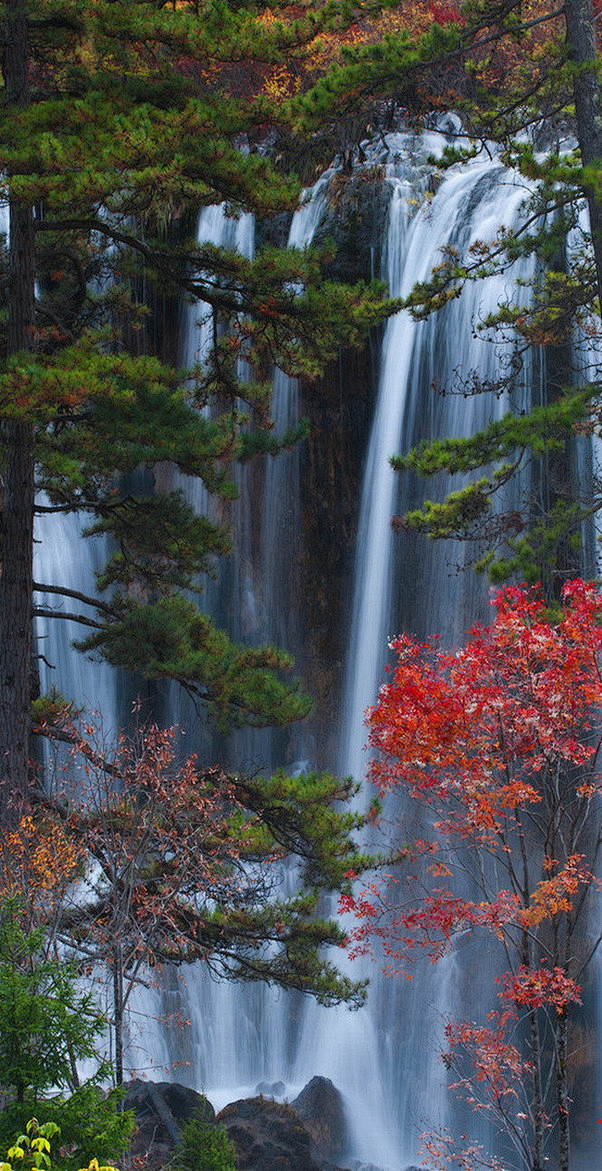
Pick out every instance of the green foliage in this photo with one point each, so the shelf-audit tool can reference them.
(133, 121)
(503, 447)
(92, 1126)
(172, 639)
(46, 1024)
(32, 1150)
(536, 555)
(542, 430)
(195, 870)
(508, 66)
(394, 63)
(204, 1147)
(194, 865)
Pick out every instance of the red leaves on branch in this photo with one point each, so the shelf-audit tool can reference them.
(444, 13)
(495, 747)
(540, 987)
(502, 729)
(477, 726)
(494, 1059)
(552, 896)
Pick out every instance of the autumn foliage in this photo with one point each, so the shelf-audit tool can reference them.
(496, 745)
(139, 858)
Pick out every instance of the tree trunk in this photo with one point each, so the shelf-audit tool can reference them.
(581, 40)
(562, 1093)
(118, 1011)
(16, 580)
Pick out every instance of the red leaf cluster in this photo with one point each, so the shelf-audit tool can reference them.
(495, 747)
(444, 13)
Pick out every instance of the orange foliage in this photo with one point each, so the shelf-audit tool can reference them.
(38, 861)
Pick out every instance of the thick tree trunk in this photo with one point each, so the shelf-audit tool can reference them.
(562, 1094)
(581, 40)
(16, 580)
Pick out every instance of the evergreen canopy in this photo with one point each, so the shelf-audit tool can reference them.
(119, 122)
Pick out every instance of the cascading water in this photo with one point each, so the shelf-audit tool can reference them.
(97, 686)
(240, 1036)
(585, 366)
(394, 592)
(381, 1058)
(228, 592)
(280, 554)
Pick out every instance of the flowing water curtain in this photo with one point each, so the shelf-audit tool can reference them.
(67, 559)
(279, 566)
(162, 1033)
(429, 593)
(382, 1059)
(378, 1058)
(221, 230)
(222, 588)
(586, 361)
(64, 558)
(235, 1038)
(243, 1035)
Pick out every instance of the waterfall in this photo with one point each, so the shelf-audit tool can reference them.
(227, 592)
(387, 1069)
(97, 686)
(280, 553)
(392, 592)
(240, 1036)
(384, 1058)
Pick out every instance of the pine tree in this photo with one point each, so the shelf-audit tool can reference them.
(120, 121)
(509, 66)
(550, 64)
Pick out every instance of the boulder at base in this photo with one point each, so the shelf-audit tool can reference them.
(162, 1109)
(320, 1108)
(268, 1136)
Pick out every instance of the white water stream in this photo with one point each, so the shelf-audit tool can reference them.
(384, 1059)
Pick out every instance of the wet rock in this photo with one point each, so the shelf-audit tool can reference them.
(320, 1107)
(162, 1109)
(270, 1089)
(268, 1136)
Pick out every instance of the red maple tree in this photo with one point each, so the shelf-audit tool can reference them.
(499, 744)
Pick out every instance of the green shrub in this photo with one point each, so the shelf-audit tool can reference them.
(204, 1147)
(31, 1150)
(92, 1125)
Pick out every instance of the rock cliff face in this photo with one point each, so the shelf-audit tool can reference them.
(339, 408)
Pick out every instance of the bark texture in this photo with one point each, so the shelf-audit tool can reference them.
(16, 580)
(581, 40)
